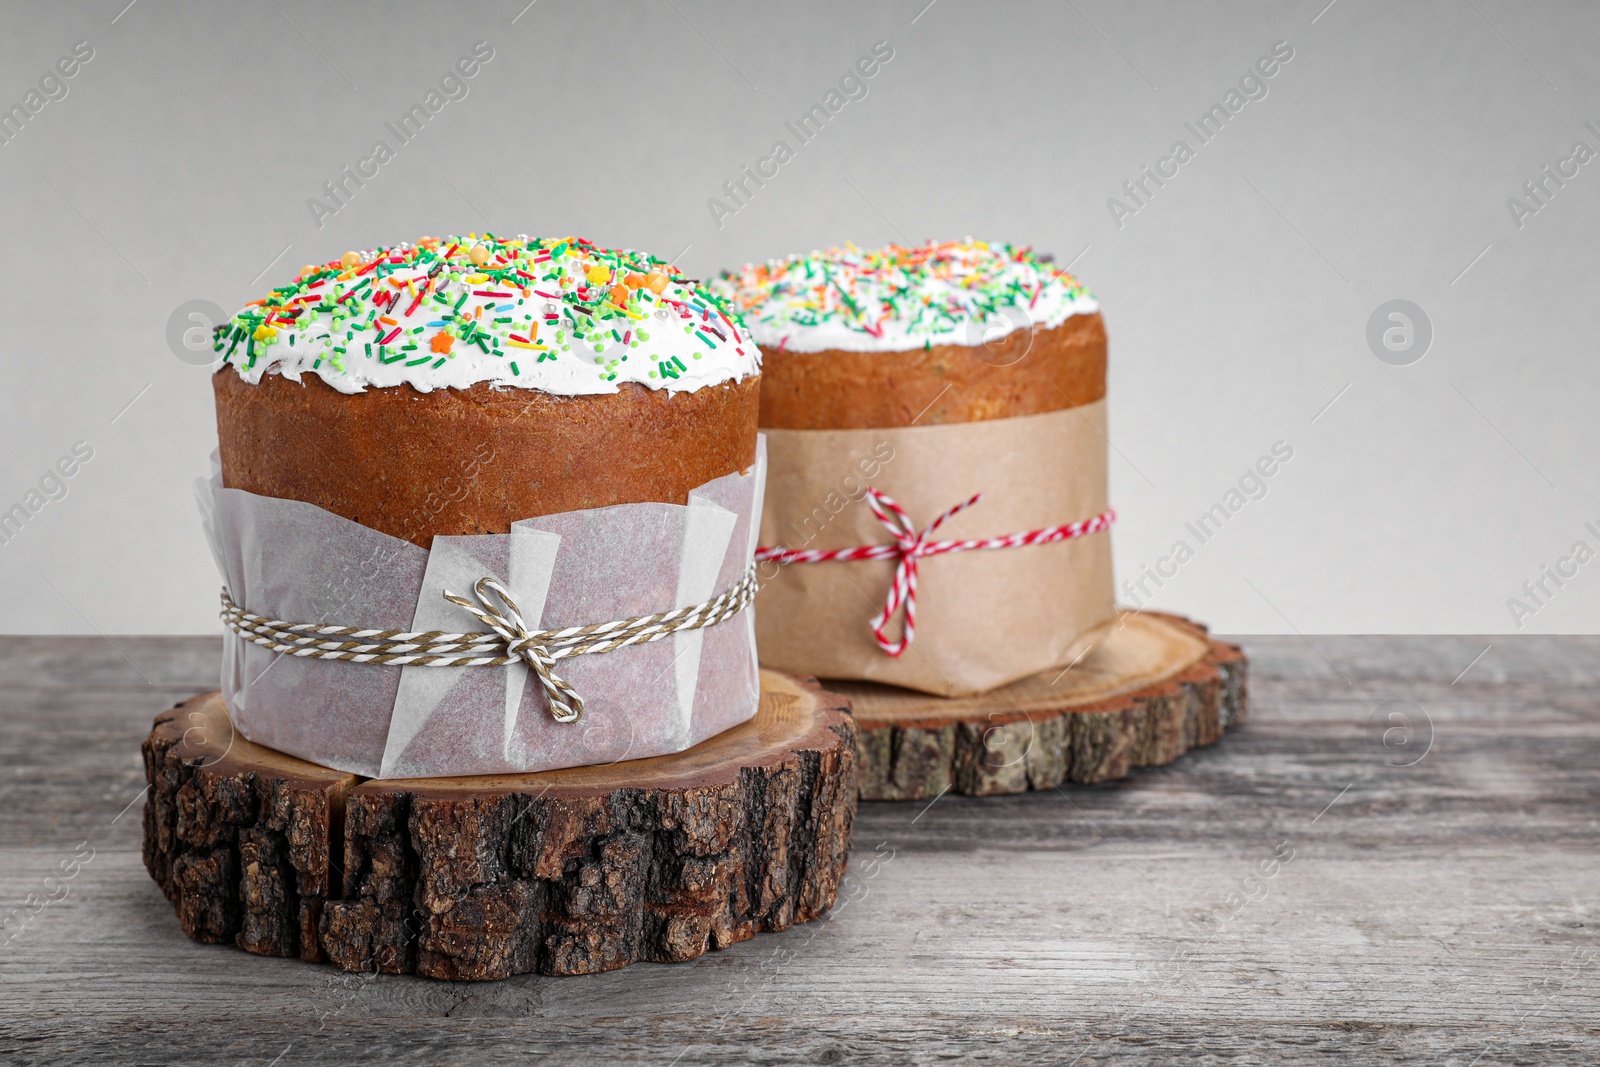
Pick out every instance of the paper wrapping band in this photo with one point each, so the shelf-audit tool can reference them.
(910, 545)
(287, 559)
(984, 619)
(508, 639)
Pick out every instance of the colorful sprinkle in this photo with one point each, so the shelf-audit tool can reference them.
(426, 303)
(899, 295)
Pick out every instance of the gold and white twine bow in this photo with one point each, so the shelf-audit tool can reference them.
(507, 641)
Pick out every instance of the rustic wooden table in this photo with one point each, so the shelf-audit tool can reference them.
(1395, 860)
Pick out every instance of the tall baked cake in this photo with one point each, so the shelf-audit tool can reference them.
(930, 374)
(512, 439)
(458, 384)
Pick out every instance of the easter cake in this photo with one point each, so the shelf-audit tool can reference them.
(935, 410)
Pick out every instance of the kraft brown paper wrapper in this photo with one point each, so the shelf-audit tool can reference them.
(984, 618)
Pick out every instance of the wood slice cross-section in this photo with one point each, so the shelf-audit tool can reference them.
(1148, 690)
(560, 872)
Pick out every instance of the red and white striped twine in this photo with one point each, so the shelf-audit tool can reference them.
(910, 546)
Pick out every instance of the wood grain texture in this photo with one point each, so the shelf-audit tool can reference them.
(1435, 911)
(1150, 689)
(562, 872)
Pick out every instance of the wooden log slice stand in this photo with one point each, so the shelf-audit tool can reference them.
(560, 872)
(1151, 688)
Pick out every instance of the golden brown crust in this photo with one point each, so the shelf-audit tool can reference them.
(475, 460)
(1024, 373)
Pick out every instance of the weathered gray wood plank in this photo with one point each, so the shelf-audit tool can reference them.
(1435, 913)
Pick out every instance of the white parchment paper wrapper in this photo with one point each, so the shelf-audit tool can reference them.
(294, 561)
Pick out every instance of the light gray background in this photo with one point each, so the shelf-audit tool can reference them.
(1378, 167)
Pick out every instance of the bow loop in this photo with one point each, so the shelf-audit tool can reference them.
(911, 545)
(505, 619)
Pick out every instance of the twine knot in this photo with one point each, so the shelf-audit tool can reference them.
(912, 545)
(504, 619)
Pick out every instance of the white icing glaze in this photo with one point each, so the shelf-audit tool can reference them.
(679, 340)
(894, 299)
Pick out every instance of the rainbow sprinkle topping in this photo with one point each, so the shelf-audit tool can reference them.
(557, 314)
(896, 298)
